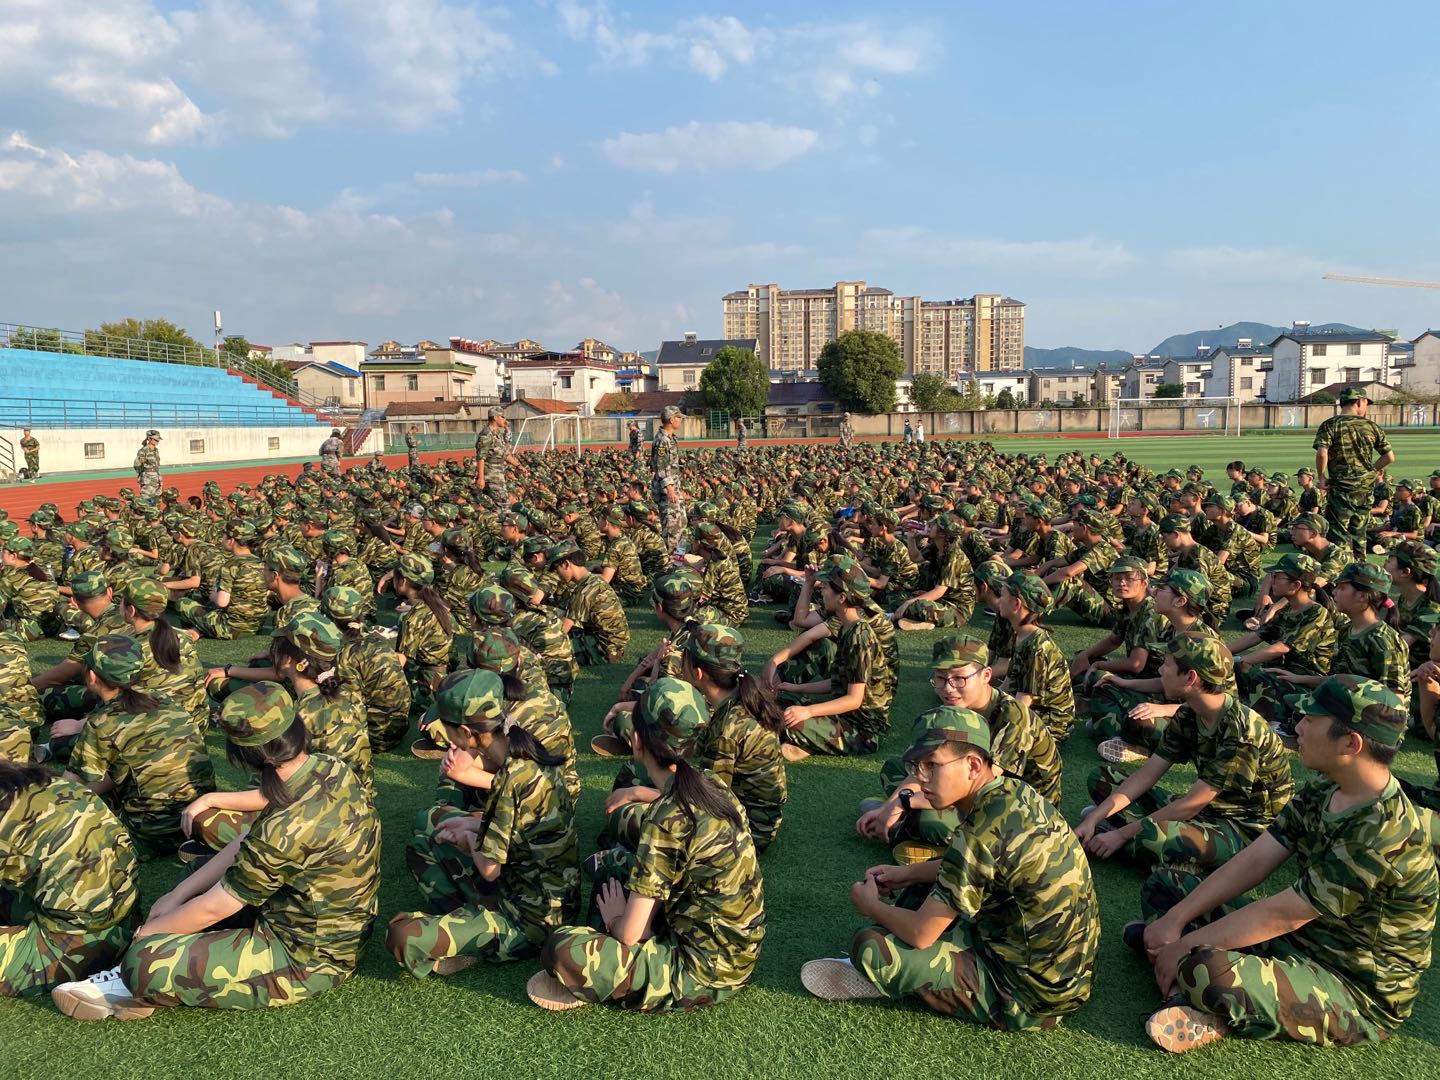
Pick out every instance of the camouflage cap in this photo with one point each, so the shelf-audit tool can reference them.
(313, 634)
(949, 724)
(675, 710)
(119, 539)
(1174, 523)
(677, 592)
(188, 528)
(887, 517)
(948, 524)
(1305, 470)
(1033, 592)
(80, 530)
(117, 659)
(284, 559)
(967, 512)
(147, 596)
(492, 605)
(535, 545)
(88, 584)
(1223, 502)
(42, 518)
(1371, 708)
(1415, 556)
(1034, 508)
(497, 649)
(1351, 395)
(844, 574)
(519, 581)
(1297, 565)
(342, 603)
(638, 509)
(932, 502)
(1191, 584)
(1129, 564)
(1411, 486)
(716, 646)
(20, 545)
(614, 516)
(1314, 522)
(444, 513)
(257, 714)
(708, 534)
(338, 542)
(416, 568)
(793, 510)
(992, 573)
(557, 553)
(1206, 656)
(1365, 576)
(242, 532)
(669, 412)
(958, 650)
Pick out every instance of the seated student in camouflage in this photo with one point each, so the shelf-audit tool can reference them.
(62, 687)
(1019, 745)
(172, 670)
(1243, 773)
(542, 630)
(523, 880)
(1039, 545)
(1406, 521)
(68, 882)
(1412, 567)
(21, 716)
(1366, 645)
(240, 598)
(458, 570)
(594, 617)
(29, 597)
(146, 757)
(892, 570)
(1004, 929)
(947, 582)
(853, 721)
(1037, 677)
(369, 666)
(1082, 580)
(1299, 642)
(740, 746)
(1144, 536)
(618, 563)
(1134, 628)
(723, 598)
(1255, 521)
(678, 923)
(343, 570)
(1235, 548)
(1187, 554)
(1307, 532)
(278, 916)
(426, 631)
(990, 579)
(1336, 958)
(787, 557)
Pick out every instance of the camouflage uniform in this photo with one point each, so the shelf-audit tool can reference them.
(958, 577)
(426, 647)
(629, 581)
(157, 760)
(892, 561)
(372, 669)
(601, 633)
(1310, 633)
(1354, 443)
(1089, 594)
(665, 472)
(702, 871)
(30, 447)
(544, 634)
(1021, 951)
(67, 888)
(412, 451)
(1038, 668)
(493, 446)
(147, 471)
(243, 577)
(311, 871)
(330, 451)
(723, 596)
(338, 729)
(1202, 560)
(20, 713)
(530, 831)
(654, 555)
(858, 658)
(1379, 653)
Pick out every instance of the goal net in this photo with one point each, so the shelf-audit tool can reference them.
(549, 432)
(1174, 416)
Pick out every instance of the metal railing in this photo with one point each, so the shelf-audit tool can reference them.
(23, 412)
(94, 343)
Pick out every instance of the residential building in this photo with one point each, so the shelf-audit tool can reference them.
(349, 353)
(427, 371)
(595, 349)
(943, 337)
(1375, 391)
(1060, 385)
(1422, 375)
(1106, 385)
(563, 377)
(800, 399)
(1017, 382)
(1141, 377)
(515, 350)
(1305, 360)
(681, 362)
(1189, 373)
(648, 403)
(333, 384)
(1238, 371)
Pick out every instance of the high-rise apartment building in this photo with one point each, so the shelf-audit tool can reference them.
(942, 337)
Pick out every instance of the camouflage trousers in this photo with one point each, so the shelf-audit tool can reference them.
(1347, 511)
(35, 958)
(955, 976)
(16, 744)
(841, 736)
(1109, 708)
(150, 485)
(497, 491)
(32, 465)
(387, 729)
(588, 649)
(933, 827)
(1266, 694)
(650, 976)
(444, 873)
(672, 523)
(1093, 608)
(1272, 990)
(1202, 843)
(246, 968)
(155, 833)
(214, 622)
(70, 702)
(330, 465)
(418, 941)
(940, 612)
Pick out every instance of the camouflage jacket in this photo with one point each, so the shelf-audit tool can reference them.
(745, 757)
(372, 670)
(860, 658)
(629, 580)
(530, 831)
(353, 574)
(185, 686)
(1023, 746)
(422, 639)
(1038, 668)
(595, 609)
(1240, 757)
(243, 577)
(338, 729)
(20, 713)
(1310, 633)
(157, 760)
(664, 460)
(1353, 442)
(1378, 652)
(724, 592)
(654, 555)
(544, 716)
(543, 633)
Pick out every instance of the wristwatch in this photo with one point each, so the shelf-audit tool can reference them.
(905, 796)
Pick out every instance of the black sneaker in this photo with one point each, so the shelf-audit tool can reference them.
(1133, 935)
(191, 850)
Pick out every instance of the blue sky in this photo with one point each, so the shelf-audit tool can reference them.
(372, 169)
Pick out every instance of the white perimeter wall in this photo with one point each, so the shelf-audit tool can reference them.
(62, 450)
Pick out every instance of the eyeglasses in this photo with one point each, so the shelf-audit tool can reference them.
(955, 680)
(925, 769)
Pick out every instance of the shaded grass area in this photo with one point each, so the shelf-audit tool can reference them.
(479, 1022)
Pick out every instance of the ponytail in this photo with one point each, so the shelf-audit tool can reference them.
(436, 604)
(747, 690)
(15, 778)
(523, 744)
(36, 571)
(266, 758)
(133, 700)
(323, 673)
(695, 792)
(165, 645)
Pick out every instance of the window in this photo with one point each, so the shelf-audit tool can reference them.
(1317, 350)
(94, 451)
(1247, 361)
(412, 382)
(567, 382)
(273, 442)
(690, 377)
(1247, 384)
(1317, 376)
(1352, 374)
(377, 382)
(197, 446)
(1352, 349)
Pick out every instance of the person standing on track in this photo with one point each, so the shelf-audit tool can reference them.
(147, 466)
(665, 477)
(30, 447)
(412, 445)
(330, 451)
(1349, 450)
(493, 451)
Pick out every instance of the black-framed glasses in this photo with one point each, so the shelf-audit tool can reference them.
(953, 679)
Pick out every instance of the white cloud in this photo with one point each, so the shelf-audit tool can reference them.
(924, 244)
(714, 146)
(1250, 264)
(577, 309)
(471, 179)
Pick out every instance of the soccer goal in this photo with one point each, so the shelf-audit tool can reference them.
(547, 432)
(1174, 416)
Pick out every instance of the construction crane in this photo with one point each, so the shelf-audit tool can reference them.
(1382, 281)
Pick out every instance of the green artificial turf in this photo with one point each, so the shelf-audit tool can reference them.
(480, 1023)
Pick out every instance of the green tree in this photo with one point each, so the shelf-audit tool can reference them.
(1321, 397)
(736, 382)
(928, 392)
(1169, 390)
(145, 339)
(38, 339)
(1006, 399)
(860, 368)
(1078, 401)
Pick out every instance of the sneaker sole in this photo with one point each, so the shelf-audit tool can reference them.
(426, 755)
(1119, 752)
(792, 753)
(910, 853)
(608, 746)
(79, 1007)
(1180, 1028)
(550, 994)
(453, 965)
(831, 980)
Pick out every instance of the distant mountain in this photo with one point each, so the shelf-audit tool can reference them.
(1260, 333)
(1067, 355)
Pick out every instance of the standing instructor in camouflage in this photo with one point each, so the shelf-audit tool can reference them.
(665, 477)
(493, 451)
(1349, 449)
(330, 451)
(412, 449)
(147, 465)
(30, 447)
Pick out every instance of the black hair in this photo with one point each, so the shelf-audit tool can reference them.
(1208, 687)
(315, 668)
(265, 758)
(165, 645)
(433, 600)
(521, 741)
(694, 791)
(466, 556)
(15, 778)
(754, 698)
(1381, 755)
(133, 700)
(514, 686)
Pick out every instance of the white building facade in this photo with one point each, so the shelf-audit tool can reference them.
(1238, 371)
(1304, 361)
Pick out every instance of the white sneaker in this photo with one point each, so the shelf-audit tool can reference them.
(69, 635)
(387, 632)
(1119, 752)
(99, 997)
(836, 979)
